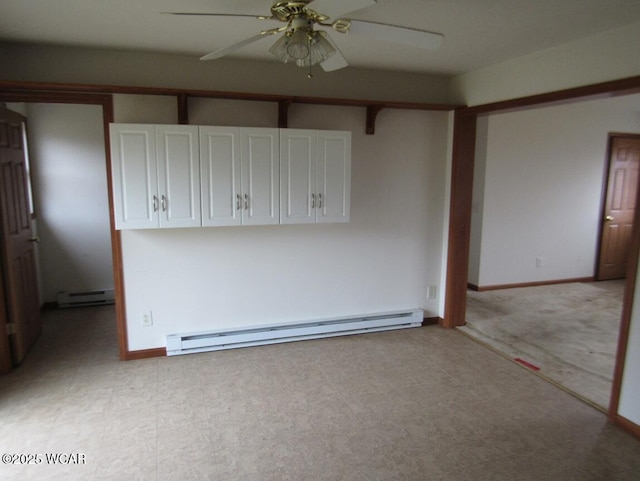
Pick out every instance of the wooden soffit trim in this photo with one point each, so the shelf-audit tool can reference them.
(372, 107)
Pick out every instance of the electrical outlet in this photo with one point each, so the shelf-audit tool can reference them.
(432, 292)
(539, 262)
(147, 319)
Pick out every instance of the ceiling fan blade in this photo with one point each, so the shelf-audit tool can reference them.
(402, 35)
(336, 61)
(337, 8)
(221, 52)
(202, 14)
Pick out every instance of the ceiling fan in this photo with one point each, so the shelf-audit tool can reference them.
(305, 46)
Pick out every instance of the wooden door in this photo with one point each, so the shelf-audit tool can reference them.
(220, 176)
(178, 175)
(21, 297)
(135, 177)
(617, 225)
(333, 192)
(298, 176)
(260, 176)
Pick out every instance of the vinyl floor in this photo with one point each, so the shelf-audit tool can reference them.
(417, 404)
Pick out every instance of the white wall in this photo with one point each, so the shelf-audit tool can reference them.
(69, 178)
(541, 190)
(384, 259)
(606, 56)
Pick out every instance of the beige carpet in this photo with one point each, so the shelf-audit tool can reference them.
(568, 331)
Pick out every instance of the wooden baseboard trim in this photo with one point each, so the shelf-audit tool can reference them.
(529, 284)
(146, 354)
(627, 425)
(431, 321)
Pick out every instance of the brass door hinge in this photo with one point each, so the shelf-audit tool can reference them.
(11, 329)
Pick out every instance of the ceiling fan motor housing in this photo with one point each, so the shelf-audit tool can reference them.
(287, 11)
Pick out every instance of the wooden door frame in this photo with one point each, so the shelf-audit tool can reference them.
(6, 361)
(463, 158)
(106, 102)
(605, 187)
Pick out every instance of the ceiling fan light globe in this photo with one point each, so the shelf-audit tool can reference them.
(279, 48)
(321, 48)
(298, 46)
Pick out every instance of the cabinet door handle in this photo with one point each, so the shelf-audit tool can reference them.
(319, 201)
(246, 202)
(313, 201)
(164, 203)
(238, 202)
(155, 203)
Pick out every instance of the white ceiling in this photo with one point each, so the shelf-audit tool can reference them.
(477, 33)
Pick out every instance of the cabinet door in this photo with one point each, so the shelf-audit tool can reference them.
(178, 175)
(334, 177)
(260, 176)
(298, 176)
(220, 176)
(134, 173)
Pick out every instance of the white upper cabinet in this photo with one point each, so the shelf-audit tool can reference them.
(135, 178)
(178, 175)
(298, 176)
(315, 175)
(220, 165)
(189, 176)
(156, 176)
(239, 172)
(333, 182)
(260, 179)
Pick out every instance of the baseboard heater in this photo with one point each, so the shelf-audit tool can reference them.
(271, 334)
(85, 298)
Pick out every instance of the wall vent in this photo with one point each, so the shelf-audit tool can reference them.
(187, 343)
(85, 298)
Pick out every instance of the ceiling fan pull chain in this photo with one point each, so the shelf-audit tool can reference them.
(310, 75)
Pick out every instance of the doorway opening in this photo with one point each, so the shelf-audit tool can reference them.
(536, 220)
(65, 242)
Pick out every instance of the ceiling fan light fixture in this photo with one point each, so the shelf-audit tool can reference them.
(321, 48)
(303, 47)
(279, 48)
(298, 47)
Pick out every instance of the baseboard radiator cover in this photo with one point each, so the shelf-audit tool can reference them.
(85, 298)
(188, 343)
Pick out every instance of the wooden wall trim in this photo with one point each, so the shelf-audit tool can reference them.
(463, 160)
(497, 287)
(106, 101)
(461, 191)
(119, 89)
(613, 88)
(183, 95)
(464, 141)
(146, 354)
(627, 425)
(431, 321)
(627, 310)
(183, 109)
(6, 363)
